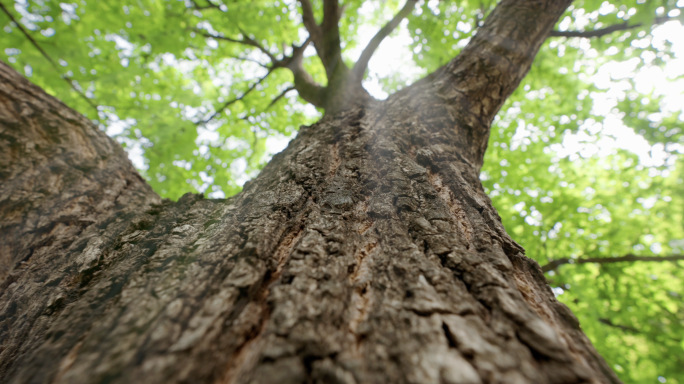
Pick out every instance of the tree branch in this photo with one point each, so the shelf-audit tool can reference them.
(250, 60)
(319, 35)
(623, 327)
(209, 5)
(49, 59)
(305, 85)
(607, 260)
(474, 85)
(246, 40)
(230, 102)
(326, 38)
(608, 30)
(331, 18)
(362, 62)
(308, 89)
(330, 31)
(282, 94)
(310, 21)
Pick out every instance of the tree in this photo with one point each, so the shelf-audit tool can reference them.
(371, 230)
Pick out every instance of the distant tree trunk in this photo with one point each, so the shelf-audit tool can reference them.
(366, 252)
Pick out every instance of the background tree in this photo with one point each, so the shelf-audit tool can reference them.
(188, 60)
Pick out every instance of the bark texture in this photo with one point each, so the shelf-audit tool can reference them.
(366, 252)
(58, 176)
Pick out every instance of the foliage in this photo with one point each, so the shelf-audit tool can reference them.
(554, 168)
(156, 79)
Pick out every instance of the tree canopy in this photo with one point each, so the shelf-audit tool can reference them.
(584, 161)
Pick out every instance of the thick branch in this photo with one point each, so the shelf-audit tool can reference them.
(474, 85)
(608, 30)
(362, 63)
(316, 33)
(330, 24)
(608, 260)
(305, 85)
(326, 39)
(331, 55)
(310, 21)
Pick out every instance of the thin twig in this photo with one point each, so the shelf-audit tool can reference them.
(623, 327)
(250, 60)
(246, 41)
(282, 94)
(607, 260)
(608, 30)
(209, 6)
(230, 102)
(52, 62)
(255, 43)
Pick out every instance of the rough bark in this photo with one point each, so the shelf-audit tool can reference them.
(366, 252)
(58, 175)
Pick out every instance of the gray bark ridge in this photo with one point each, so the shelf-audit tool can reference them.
(366, 252)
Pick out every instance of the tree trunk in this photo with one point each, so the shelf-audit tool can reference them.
(366, 252)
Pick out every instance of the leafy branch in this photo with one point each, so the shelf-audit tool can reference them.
(609, 260)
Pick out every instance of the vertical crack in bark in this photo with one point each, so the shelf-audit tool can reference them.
(283, 251)
(242, 361)
(67, 362)
(334, 159)
(246, 356)
(360, 280)
(459, 215)
(361, 210)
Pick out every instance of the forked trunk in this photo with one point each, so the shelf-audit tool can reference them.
(366, 252)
